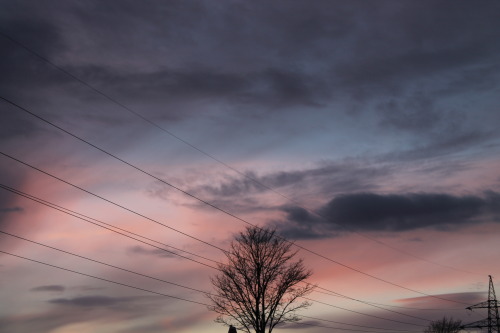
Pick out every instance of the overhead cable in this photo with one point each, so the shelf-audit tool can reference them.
(212, 205)
(154, 124)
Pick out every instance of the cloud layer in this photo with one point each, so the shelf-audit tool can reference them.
(391, 213)
(330, 117)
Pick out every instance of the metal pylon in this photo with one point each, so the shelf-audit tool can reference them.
(493, 321)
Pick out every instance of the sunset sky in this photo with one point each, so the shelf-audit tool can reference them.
(366, 132)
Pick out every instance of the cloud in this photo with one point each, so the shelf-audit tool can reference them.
(92, 301)
(273, 87)
(276, 57)
(327, 177)
(425, 47)
(68, 311)
(25, 76)
(170, 323)
(246, 193)
(152, 252)
(56, 288)
(449, 305)
(454, 141)
(391, 212)
(437, 300)
(9, 206)
(368, 211)
(301, 224)
(416, 113)
(154, 327)
(300, 325)
(16, 126)
(11, 210)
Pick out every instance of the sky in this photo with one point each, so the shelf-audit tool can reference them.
(366, 132)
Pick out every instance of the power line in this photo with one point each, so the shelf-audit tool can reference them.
(380, 307)
(103, 279)
(152, 123)
(343, 328)
(269, 188)
(334, 293)
(161, 280)
(212, 157)
(112, 202)
(365, 314)
(72, 213)
(102, 263)
(85, 219)
(362, 326)
(168, 282)
(89, 220)
(212, 205)
(98, 222)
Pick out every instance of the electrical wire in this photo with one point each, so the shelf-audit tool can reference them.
(103, 279)
(389, 310)
(161, 280)
(362, 326)
(75, 214)
(111, 202)
(334, 293)
(88, 220)
(154, 124)
(102, 263)
(214, 206)
(364, 314)
(250, 178)
(343, 328)
(7, 188)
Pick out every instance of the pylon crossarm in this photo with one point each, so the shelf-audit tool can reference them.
(481, 305)
(476, 324)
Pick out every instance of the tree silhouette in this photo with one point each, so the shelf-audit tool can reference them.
(259, 287)
(445, 325)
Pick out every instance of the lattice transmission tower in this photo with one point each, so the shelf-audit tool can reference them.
(493, 321)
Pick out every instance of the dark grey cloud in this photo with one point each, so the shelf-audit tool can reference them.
(430, 39)
(449, 305)
(241, 194)
(15, 125)
(325, 178)
(301, 223)
(174, 323)
(471, 298)
(242, 205)
(445, 144)
(27, 80)
(272, 87)
(368, 211)
(9, 207)
(24, 76)
(11, 210)
(92, 301)
(68, 311)
(413, 68)
(384, 73)
(416, 113)
(152, 252)
(392, 212)
(151, 328)
(50, 288)
(277, 54)
(303, 324)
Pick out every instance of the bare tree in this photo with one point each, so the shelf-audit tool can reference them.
(445, 325)
(260, 285)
